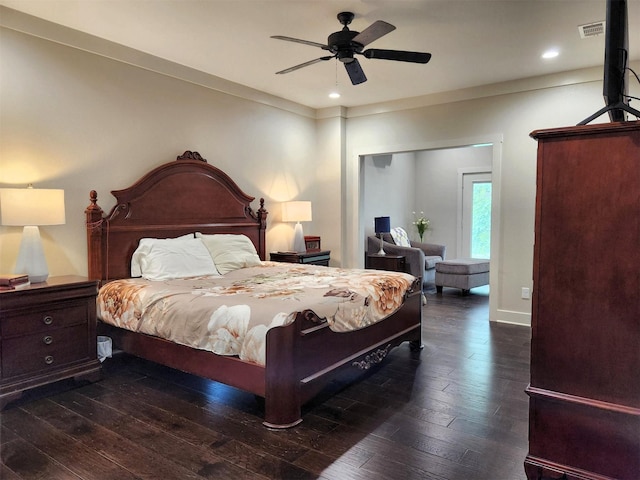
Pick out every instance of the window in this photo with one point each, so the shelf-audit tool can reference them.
(476, 215)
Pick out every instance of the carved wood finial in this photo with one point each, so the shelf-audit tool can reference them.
(262, 214)
(189, 155)
(93, 207)
(93, 212)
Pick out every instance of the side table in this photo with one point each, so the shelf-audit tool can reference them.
(47, 333)
(394, 263)
(316, 257)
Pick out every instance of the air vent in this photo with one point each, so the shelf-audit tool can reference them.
(591, 29)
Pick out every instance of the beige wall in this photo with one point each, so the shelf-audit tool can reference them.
(326, 175)
(80, 121)
(389, 189)
(437, 190)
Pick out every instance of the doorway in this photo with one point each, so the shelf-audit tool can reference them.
(355, 207)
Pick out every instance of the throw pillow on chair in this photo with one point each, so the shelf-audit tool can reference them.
(400, 237)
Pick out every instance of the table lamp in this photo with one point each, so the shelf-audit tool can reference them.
(30, 208)
(299, 211)
(382, 225)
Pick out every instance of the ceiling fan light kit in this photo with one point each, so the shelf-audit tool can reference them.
(345, 44)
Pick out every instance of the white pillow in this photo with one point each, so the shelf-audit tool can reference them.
(144, 245)
(400, 237)
(230, 252)
(177, 259)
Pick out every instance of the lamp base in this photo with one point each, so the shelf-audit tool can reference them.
(298, 240)
(381, 251)
(31, 258)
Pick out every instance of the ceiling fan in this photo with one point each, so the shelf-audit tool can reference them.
(346, 43)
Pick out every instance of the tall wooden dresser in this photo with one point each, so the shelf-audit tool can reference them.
(584, 395)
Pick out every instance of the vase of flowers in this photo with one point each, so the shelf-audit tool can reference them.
(422, 224)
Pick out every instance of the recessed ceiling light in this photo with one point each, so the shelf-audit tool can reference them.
(334, 95)
(550, 54)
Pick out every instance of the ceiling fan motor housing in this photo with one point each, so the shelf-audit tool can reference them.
(340, 44)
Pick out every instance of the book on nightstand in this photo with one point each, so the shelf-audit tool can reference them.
(11, 281)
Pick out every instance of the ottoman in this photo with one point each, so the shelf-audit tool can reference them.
(462, 273)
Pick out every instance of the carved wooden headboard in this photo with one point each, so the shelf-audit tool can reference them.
(185, 196)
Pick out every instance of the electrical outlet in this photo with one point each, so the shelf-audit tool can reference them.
(526, 293)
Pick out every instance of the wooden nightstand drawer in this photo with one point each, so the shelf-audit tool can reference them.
(44, 351)
(54, 316)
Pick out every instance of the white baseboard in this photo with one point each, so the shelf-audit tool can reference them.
(512, 317)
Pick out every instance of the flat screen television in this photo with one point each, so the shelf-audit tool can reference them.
(616, 57)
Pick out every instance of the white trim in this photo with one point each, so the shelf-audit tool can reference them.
(353, 227)
(495, 266)
(529, 84)
(460, 203)
(511, 317)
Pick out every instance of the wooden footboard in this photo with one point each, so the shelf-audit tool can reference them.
(296, 374)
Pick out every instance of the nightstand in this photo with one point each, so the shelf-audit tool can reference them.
(394, 263)
(47, 333)
(317, 257)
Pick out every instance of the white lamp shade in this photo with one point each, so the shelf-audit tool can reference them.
(299, 211)
(31, 206)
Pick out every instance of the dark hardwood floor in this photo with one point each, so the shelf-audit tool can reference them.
(456, 411)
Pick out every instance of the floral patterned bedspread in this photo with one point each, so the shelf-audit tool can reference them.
(230, 314)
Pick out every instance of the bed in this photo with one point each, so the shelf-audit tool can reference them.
(301, 354)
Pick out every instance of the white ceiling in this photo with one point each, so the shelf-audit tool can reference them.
(473, 42)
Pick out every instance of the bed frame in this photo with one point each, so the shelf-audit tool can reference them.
(190, 195)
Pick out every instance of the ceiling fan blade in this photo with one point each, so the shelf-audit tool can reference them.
(297, 40)
(305, 64)
(399, 55)
(356, 74)
(373, 32)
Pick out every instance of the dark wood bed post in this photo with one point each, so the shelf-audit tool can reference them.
(282, 399)
(94, 236)
(261, 215)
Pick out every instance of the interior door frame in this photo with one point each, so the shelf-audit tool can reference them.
(352, 188)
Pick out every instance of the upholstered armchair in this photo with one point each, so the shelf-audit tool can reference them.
(420, 258)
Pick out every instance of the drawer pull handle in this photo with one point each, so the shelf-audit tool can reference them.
(48, 340)
(48, 359)
(47, 319)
